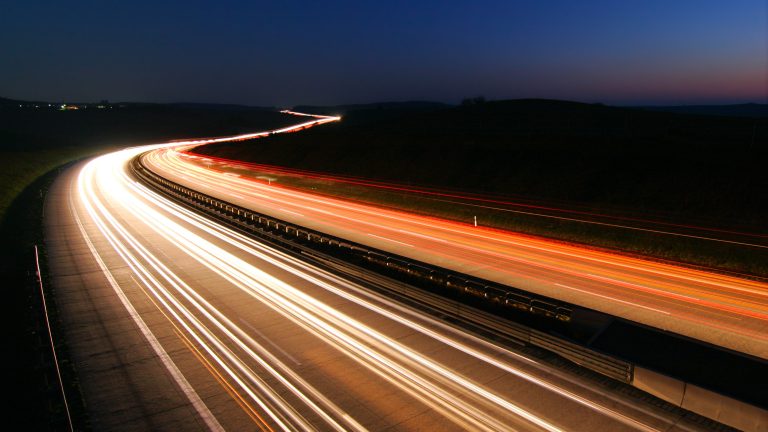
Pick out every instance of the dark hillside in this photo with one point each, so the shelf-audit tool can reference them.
(672, 165)
(738, 110)
(34, 142)
(390, 106)
(32, 128)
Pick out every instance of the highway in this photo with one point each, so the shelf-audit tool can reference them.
(622, 220)
(175, 322)
(724, 310)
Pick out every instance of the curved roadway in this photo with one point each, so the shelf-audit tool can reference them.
(177, 323)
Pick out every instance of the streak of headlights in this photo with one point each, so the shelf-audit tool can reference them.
(343, 288)
(423, 378)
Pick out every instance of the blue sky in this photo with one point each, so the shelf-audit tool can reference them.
(285, 53)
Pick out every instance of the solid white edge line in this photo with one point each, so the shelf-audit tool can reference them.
(200, 406)
(389, 239)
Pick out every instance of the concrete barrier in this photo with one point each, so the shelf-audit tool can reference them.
(724, 409)
(661, 386)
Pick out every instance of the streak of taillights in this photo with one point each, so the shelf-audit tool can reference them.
(489, 242)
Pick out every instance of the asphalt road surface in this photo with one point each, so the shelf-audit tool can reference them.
(177, 323)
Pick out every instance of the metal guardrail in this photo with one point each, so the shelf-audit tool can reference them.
(301, 239)
(590, 359)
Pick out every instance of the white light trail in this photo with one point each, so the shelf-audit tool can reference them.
(117, 205)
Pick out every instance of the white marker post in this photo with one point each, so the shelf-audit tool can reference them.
(475, 220)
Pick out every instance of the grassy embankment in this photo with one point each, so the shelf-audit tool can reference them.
(22, 168)
(702, 170)
(34, 143)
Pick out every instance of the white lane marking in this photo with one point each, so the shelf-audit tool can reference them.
(389, 239)
(423, 236)
(290, 211)
(200, 406)
(237, 196)
(613, 299)
(274, 345)
(641, 287)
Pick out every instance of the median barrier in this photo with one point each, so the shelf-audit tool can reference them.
(724, 409)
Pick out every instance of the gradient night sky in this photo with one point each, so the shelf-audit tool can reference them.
(294, 52)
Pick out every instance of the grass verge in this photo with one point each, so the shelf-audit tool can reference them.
(21, 168)
(36, 401)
